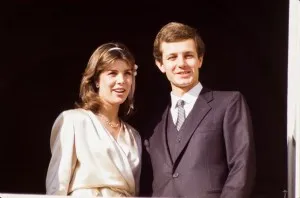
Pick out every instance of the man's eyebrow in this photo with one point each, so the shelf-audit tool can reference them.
(171, 54)
(189, 52)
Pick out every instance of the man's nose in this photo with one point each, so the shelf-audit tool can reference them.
(181, 61)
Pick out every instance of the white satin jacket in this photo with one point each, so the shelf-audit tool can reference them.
(87, 160)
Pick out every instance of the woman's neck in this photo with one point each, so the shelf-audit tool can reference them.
(110, 112)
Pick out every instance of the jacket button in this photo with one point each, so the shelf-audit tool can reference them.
(175, 175)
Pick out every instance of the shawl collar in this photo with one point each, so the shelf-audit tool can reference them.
(121, 160)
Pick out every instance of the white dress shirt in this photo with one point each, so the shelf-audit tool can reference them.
(189, 98)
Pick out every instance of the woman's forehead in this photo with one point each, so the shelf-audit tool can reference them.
(119, 64)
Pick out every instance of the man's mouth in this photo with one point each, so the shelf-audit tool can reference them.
(184, 72)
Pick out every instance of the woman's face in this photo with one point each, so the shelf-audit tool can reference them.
(115, 83)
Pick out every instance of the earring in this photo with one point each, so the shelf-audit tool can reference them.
(97, 85)
(131, 108)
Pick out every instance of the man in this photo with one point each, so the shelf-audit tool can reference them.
(203, 145)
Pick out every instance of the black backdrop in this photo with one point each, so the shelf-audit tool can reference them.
(45, 48)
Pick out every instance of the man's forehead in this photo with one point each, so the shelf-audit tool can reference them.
(187, 46)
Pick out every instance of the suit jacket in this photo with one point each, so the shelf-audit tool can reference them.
(215, 153)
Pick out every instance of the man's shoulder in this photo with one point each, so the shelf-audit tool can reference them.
(227, 98)
(218, 93)
(222, 96)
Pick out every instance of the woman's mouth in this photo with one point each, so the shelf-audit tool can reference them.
(119, 90)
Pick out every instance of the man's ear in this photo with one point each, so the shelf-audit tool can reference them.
(160, 66)
(200, 61)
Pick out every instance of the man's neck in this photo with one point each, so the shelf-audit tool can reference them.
(180, 91)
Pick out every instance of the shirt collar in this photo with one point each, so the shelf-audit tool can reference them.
(188, 97)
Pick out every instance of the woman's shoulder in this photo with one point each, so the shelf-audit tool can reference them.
(131, 129)
(73, 114)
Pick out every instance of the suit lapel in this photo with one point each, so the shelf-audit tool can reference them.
(200, 109)
(161, 137)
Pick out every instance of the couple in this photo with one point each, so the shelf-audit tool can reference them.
(202, 146)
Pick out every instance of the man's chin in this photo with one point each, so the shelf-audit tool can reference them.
(184, 84)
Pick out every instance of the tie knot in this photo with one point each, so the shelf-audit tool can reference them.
(180, 103)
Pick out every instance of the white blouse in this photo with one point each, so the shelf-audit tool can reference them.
(87, 160)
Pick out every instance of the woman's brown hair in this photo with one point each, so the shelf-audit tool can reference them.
(101, 58)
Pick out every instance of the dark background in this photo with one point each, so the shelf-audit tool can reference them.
(45, 48)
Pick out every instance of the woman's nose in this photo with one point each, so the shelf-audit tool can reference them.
(120, 78)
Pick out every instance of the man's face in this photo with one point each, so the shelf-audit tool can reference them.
(181, 64)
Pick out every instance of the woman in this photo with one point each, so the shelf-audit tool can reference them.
(94, 152)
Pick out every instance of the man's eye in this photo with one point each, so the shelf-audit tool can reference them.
(171, 58)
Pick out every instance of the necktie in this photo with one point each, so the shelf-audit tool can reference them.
(181, 114)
